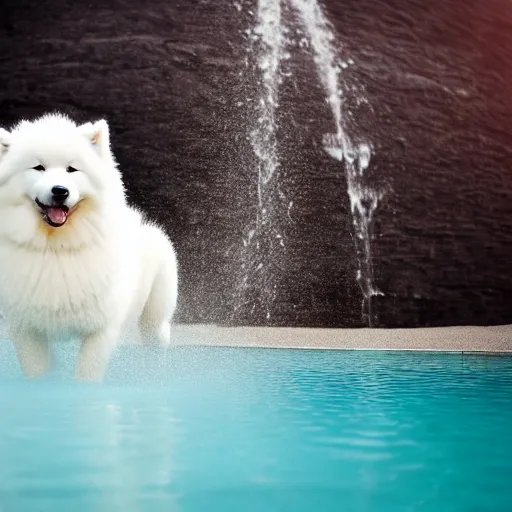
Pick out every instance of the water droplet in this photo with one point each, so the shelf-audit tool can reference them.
(349, 153)
(364, 157)
(332, 144)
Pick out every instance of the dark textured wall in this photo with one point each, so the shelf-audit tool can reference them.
(171, 79)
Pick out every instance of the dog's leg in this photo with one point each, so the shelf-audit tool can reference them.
(94, 355)
(159, 336)
(33, 353)
(155, 321)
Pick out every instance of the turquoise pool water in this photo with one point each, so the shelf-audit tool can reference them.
(260, 430)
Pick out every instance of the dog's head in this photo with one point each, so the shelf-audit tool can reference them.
(50, 166)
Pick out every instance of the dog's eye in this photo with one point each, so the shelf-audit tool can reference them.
(38, 168)
(71, 169)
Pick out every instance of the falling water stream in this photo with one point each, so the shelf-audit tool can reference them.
(268, 39)
(363, 199)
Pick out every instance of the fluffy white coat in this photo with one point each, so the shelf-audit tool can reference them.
(89, 277)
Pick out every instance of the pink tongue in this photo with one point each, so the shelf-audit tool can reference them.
(57, 215)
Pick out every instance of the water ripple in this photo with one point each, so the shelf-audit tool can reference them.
(208, 429)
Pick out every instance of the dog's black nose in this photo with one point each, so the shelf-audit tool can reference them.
(60, 194)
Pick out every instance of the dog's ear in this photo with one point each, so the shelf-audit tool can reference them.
(5, 141)
(98, 135)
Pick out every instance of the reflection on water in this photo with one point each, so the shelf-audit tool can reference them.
(244, 429)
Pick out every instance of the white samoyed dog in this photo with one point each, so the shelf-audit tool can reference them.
(76, 262)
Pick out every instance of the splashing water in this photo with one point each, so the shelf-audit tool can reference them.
(263, 136)
(320, 39)
(267, 42)
(363, 199)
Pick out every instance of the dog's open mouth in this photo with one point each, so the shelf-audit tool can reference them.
(54, 216)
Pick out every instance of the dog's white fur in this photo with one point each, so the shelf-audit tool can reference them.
(89, 277)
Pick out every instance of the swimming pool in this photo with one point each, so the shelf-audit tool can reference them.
(226, 429)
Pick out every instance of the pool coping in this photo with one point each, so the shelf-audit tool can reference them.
(494, 340)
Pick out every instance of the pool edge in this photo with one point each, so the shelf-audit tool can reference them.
(493, 340)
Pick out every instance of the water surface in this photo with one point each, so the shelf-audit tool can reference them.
(212, 429)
